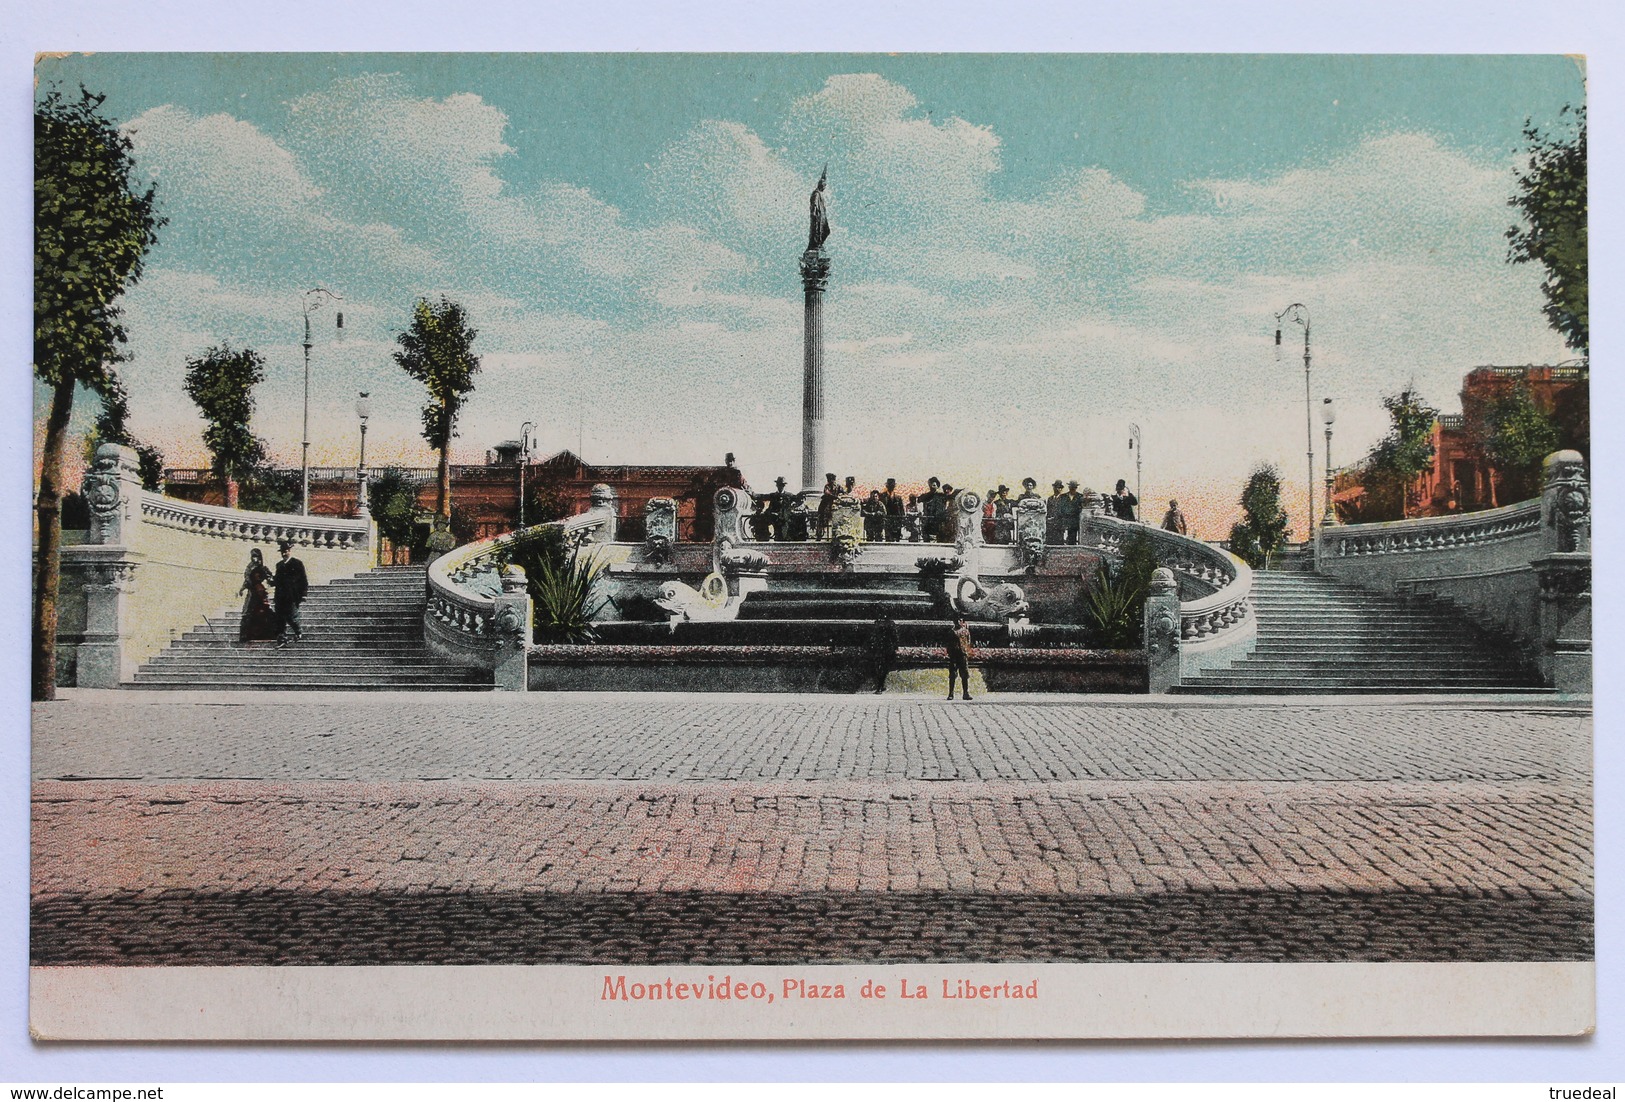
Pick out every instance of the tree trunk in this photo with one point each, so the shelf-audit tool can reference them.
(442, 500)
(443, 492)
(48, 571)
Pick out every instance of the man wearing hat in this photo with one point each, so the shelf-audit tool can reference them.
(1174, 520)
(291, 585)
(1071, 513)
(1055, 513)
(777, 513)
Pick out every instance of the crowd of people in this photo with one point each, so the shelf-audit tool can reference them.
(891, 516)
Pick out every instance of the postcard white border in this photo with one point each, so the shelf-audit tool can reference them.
(822, 1002)
(1438, 26)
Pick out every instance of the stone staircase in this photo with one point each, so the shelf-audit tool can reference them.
(361, 633)
(1317, 635)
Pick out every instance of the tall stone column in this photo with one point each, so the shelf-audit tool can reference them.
(814, 278)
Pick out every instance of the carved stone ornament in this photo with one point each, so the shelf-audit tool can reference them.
(514, 580)
(1001, 603)
(1568, 500)
(510, 619)
(967, 519)
(1163, 582)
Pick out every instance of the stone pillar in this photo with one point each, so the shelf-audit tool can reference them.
(512, 623)
(1564, 572)
(814, 278)
(1161, 638)
(105, 567)
(108, 575)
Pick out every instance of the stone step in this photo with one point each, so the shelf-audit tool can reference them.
(361, 634)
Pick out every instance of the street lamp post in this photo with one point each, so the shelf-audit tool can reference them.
(1136, 445)
(1328, 414)
(1298, 314)
(313, 298)
(524, 461)
(363, 410)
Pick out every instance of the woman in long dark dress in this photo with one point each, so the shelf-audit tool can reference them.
(260, 622)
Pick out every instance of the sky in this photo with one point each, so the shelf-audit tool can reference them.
(1030, 253)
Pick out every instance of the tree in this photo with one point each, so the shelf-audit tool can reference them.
(1552, 199)
(437, 351)
(112, 427)
(267, 490)
(1391, 468)
(394, 502)
(92, 226)
(1258, 536)
(221, 382)
(1520, 437)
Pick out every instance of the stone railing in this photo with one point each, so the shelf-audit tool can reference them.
(1216, 622)
(151, 567)
(470, 613)
(332, 533)
(1426, 534)
(1524, 569)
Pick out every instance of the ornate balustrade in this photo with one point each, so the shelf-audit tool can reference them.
(329, 533)
(1225, 610)
(1424, 534)
(1522, 570)
(467, 591)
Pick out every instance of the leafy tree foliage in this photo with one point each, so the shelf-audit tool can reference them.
(393, 499)
(92, 225)
(221, 383)
(1552, 199)
(1391, 468)
(1258, 536)
(268, 490)
(1521, 435)
(112, 427)
(437, 350)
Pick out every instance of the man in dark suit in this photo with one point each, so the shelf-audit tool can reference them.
(291, 586)
(894, 511)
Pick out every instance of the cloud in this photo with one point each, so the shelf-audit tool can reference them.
(965, 326)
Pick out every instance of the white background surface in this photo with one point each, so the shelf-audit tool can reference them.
(1411, 27)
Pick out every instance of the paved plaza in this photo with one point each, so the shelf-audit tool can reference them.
(452, 828)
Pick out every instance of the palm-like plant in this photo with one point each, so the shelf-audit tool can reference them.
(1113, 607)
(566, 598)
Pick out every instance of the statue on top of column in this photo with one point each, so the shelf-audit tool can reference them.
(818, 229)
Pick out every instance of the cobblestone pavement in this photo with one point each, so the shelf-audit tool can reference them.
(648, 737)
(451, 829)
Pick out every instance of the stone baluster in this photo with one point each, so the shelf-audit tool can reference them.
(1162, 631)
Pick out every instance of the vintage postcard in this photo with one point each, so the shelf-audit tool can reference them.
(609, 546)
